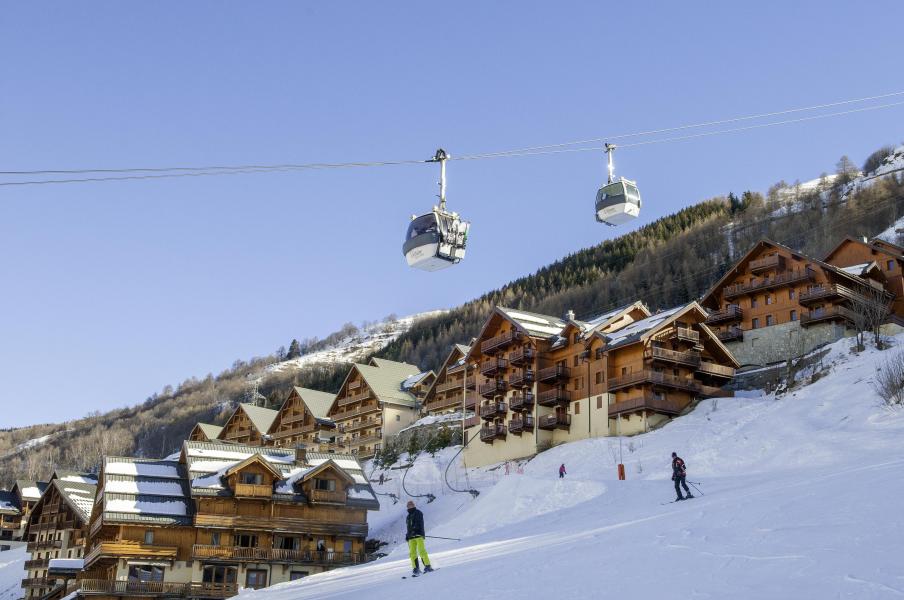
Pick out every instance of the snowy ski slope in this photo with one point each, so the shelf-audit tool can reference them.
(802, 500)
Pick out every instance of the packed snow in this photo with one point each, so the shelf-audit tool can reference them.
(12, 572)
(799, 497)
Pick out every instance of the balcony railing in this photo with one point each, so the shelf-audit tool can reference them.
(690, 358)
(717, 370)
(655, 378)
(553, 373)
(121, 550)
(366, 439)
(499, 341)
(471, 382)
(645, 402)
(525, 423)
(362, 424)
(449, 385)
(237, 553)
(42, 582)
(521, 355)
(109, 587)
(328, 497)
(784, 278)
(43, 545)
(451, 401)
(471, 421)
(493, 365)
(251, 490)
(731, 334)
(523, 401)
(490, 411)
(832, 313)
(732, 312)
(557, 421)
(493, 388)
(37, 563)
(375, 407)
(492, 432)
(552, 397)
(352, 398)
(769, 262)
(521, 378)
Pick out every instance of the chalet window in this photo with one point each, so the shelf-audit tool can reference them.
(347, 546)
(139, 573)
(215, 538)
(577, 360)
(769, 320)
(575, 338)
(793, 315)
(577, 408)
(599, 353)
(755, 324)
(675, 372)
(297, 575)
(287, 543)
(246, 540)
(753, 302)
(326, 485)
(890, 265)
(599, 402)
(149, 536)
(255, 578)
(216, 574)
(252, 478)
(599, 377)
(398, 417)
(624, 370)
(791, 294)
(768, 299)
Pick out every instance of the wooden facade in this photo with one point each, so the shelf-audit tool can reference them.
(205, 432)
(302, 419)
(888, 257)
(448, 389)
(248, 424)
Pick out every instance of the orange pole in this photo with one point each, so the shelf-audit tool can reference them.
(621, 472)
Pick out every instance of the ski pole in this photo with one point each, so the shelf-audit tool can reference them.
(436, 537)
(696, 488)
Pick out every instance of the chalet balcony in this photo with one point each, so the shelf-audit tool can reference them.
(492, 431)
(367, 439)
(251, 490)
(125, 550)
(43, 545)
(521, 378)
(39, 582)
(443, 403)
(449, 385)
(766, 264)
(731, 334)
(328, 497)
(493, 410)
(38, 563)
(729, 314)
(362, 424)
(553, 373)
(525, 423)
(109, 587)
(472, 421)
(524, 401)
(500, 341)
(782, 279)
(353, 398)
(522, 355)
(492, 366)
(557, 421)
(833, 313)
(715, 370)
(654, 378)
(553, 397)
(471, 382)
(492, 388)
(682, 334)
(288, 419)
(688, 358)
(266, 523)
(361, 410)
(645, 402)
(471, 402)
(278, 555)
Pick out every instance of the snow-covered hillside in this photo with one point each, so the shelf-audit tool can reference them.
(802, 500)
(12, 571)
(355, 347)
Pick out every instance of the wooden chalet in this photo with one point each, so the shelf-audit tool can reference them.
(302, 419)
(222, 517)
(447, 391)
(887, 257)
(418, 385)
(25, 495)
(57, 528)
(775, 286)
(372, 405)
(10, 516)
(546, 380)
(248, 424)
(205, 432)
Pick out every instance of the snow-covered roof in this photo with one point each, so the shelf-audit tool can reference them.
(637, 329)
(75, 476)
(79, 496)
(856, 269)
(9, 503)
(66, 564)
(535, 324)
(129, 466)
(145, 490)
(414, 380)
(30, 490)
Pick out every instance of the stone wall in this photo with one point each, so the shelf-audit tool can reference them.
(778, 343)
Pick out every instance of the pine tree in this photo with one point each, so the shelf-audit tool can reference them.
(294, 350)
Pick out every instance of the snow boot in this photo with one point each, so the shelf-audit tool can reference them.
(688, 496)
(679, 499)
(428, 569)
(416, 571)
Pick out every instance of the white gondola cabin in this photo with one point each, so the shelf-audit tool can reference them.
(618, 201)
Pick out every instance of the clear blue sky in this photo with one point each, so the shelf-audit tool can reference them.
(112, 290)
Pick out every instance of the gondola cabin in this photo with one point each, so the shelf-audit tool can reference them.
(435, 240)
(618, 202)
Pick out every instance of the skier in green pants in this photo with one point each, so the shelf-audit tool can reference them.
(415, 537)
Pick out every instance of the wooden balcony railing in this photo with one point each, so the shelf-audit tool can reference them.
(328, 497)
(553, 373)
(832, 313)
(352, 398)
(552, 397)
(493, 388)
(449, 385)
(290, 418)
(717, 370)
(363, 410)
(251, 490)
(237, 553)
(443, 402)
(731, 334)
(690, 357)
(769, 262)
(645, 402)
(521, 355)
(556, 421)
(121, 549)
(493, 365)
(492, 432)
(109, 587)
(472, 421)
(525, 423)
(37, 563)
(493, 409)
(366, 439)
(523, 401)
(40, 582)
(362, 424)
(783, 278)
(43, 545)
(499, 341)
(652, 377)
(521, 378)
(732, 312)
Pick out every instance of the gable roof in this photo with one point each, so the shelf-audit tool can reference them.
(28, 490)
(210, 431)
(79, 496)
(317, 402)
(385, 381)
(533, 324)
(385, 363)
(875, 244)
(254, 458)
(877, 241)
(601, 321)
(416, 379)
(259, 416)
(639, 330)
(9, 503)
(144, 490)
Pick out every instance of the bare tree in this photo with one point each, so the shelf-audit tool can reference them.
(889, 383)
(870, 308)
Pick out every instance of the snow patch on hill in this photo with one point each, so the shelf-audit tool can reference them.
(801, 492)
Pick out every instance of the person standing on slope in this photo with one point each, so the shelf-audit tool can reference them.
(679, 472)
(415, 538)
(562, 472)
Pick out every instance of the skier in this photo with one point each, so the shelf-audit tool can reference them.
(381, 478)
(415, 538)
(679, 472)
(562, 472)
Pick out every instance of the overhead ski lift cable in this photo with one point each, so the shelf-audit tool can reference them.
(140, 173)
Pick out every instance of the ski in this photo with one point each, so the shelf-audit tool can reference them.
(418, 575)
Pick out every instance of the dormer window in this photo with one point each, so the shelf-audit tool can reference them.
(252, 478)
(325, 485)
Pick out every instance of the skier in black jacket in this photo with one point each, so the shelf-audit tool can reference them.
(415, 538)
(679, 472)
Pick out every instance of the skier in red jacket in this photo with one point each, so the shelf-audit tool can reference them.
(679, 472)
(562, 471)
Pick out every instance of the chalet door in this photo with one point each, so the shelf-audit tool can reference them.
(219, 574)
(255, 578)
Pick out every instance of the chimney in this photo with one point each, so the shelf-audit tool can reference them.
(569, 315)
(301, 455)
